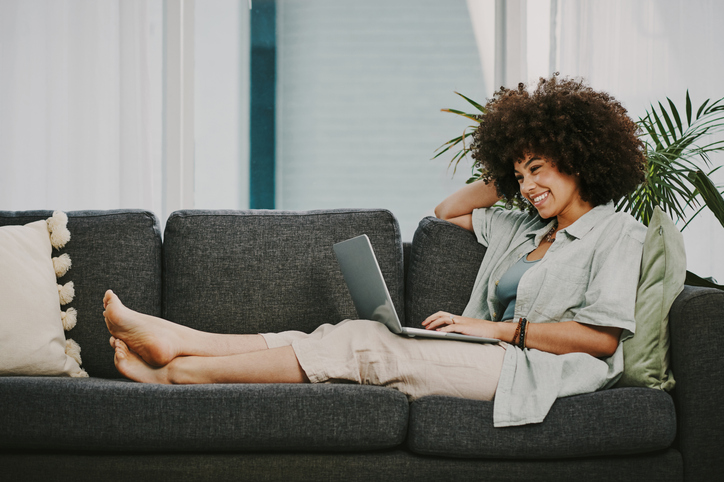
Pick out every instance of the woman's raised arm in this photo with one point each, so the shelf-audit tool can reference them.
(458, 207)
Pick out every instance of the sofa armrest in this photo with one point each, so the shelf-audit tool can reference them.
(697, 342)
(444, 261)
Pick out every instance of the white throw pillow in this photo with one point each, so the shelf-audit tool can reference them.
(32, 338)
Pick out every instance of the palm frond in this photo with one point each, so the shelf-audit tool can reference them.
(472, 117)
(669, 124)
(675, 113)
(473, 103)
(709, 192)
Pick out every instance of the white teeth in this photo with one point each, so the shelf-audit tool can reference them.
(540, 198)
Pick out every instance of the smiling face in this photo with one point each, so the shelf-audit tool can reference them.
(551, 192)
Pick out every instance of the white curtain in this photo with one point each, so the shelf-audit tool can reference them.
(643, 51)
(80, 104)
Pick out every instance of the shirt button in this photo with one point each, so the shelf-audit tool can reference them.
(495, 315)
(496, 282)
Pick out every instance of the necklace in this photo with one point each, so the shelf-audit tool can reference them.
(549, 237)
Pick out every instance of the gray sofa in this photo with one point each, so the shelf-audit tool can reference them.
(256, 271)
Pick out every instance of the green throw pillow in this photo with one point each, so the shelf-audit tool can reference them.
(663, 269)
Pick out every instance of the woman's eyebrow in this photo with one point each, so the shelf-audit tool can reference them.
(531, 160)
(515, 169)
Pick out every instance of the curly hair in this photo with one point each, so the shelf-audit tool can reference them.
(581, 131)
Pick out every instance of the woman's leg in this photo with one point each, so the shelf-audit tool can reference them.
(366, 352)
(277, 365)
(158, 341)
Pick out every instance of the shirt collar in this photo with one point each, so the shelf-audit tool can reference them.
(579, 228)
(586, 222)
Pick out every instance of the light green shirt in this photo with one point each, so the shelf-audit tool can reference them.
(588, 275)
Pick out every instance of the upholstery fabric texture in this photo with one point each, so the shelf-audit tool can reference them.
(609, 422)
(663, 270)
(119, 415)
(118, 250)
(444, 261)
(697, 339)
(32, 338)
(270, 271)
(381, 466)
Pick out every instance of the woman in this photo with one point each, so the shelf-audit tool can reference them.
(557, 285)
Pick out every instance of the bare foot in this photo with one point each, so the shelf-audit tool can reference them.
(132, 366)
(155, 340)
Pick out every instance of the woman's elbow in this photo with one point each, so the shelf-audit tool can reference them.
(607, 350)
(607, 343)
(441, 212)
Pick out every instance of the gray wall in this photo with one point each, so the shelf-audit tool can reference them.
(359, 90)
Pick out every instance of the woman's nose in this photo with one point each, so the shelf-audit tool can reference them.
(526, 185)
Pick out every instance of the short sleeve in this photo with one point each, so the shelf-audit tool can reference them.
(505, 223)
(611, 296)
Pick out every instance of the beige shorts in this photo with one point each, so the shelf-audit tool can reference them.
(366, 352)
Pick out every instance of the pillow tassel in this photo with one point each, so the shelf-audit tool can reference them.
(61, 265)
(72, 349)
(69, 318)
(66, 293)
(58, 229)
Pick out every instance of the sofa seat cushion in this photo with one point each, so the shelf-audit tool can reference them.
(116, 415)
(609, 422)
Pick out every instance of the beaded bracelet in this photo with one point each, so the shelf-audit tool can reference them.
(515, 336)
(522, 325)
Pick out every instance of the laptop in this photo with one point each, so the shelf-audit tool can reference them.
(370, 295)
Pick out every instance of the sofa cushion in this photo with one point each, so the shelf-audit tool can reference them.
(269, 271)
(115, 415)
(663, 269)
(444, 261)
(32, 339)
(696, 358)
(120, 250)
(609, 422)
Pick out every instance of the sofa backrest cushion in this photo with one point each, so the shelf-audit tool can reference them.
(118, 250)
(444, 261)
(269, 271)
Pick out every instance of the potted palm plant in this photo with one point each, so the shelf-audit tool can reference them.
(678, 148)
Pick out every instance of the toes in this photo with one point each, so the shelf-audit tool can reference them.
(108, 297)
(113, 341)
(121, 349)
(120, 354)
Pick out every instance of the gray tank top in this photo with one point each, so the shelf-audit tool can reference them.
(507, 288)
